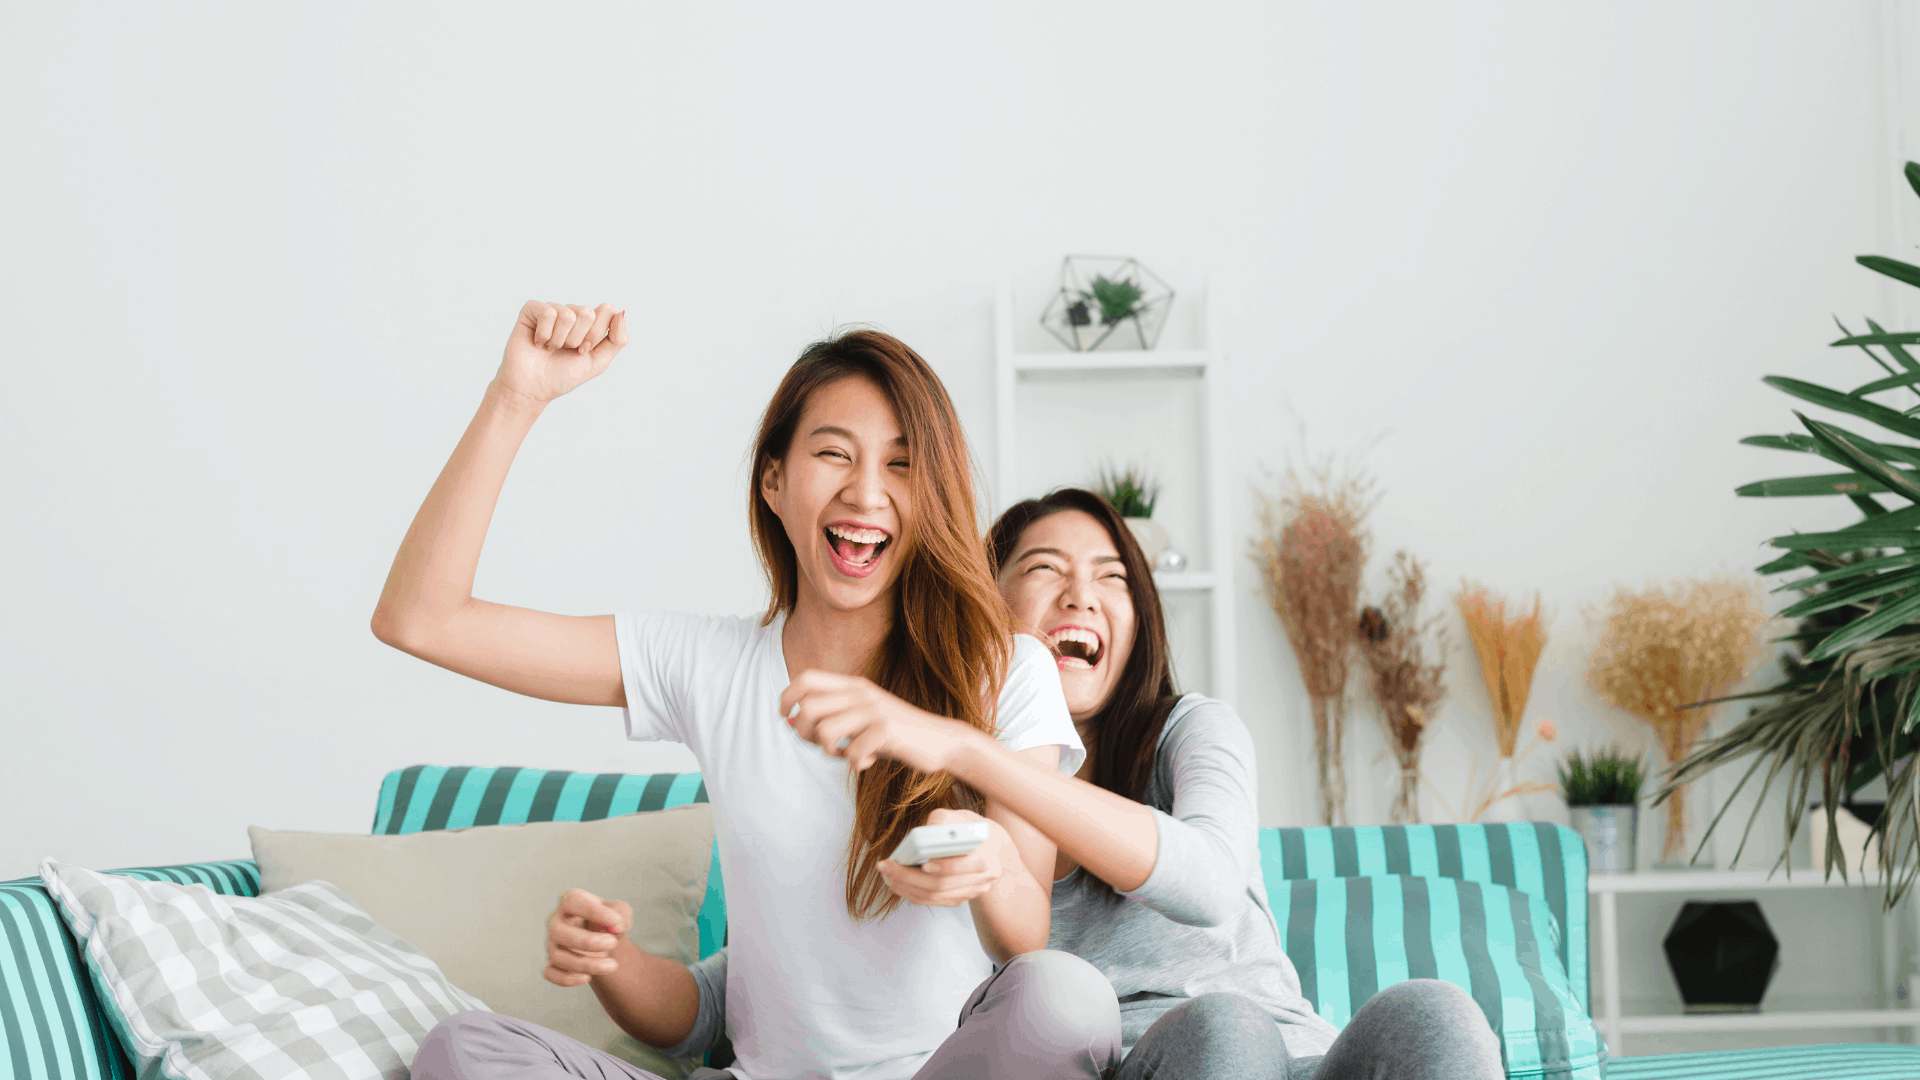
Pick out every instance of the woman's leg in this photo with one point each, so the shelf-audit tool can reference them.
(488, 1046)
(1045, 1015)
(1421, 1029)
(1211, 1037)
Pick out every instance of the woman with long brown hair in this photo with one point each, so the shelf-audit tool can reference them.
(1157, 877)
(884, 643)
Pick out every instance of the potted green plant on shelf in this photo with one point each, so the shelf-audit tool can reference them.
(1602, 790)
(1846, 710)
(1133, 492)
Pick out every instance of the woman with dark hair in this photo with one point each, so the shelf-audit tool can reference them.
(884, 644)
(1157, 881)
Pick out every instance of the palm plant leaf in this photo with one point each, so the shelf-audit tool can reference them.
(1848, 708)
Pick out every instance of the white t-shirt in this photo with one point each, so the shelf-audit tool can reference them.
(810, 992)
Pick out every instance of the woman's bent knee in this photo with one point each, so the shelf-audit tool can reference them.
(1066, 990)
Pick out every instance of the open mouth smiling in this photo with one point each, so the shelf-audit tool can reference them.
(1076, 647)
(856, 548)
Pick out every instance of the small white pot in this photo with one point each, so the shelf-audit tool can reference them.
(1153, 539)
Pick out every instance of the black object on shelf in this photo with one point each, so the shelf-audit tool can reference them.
(1722, 955)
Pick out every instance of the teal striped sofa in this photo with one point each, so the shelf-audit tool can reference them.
(1358, 908)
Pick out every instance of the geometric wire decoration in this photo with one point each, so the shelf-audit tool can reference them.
(1107, 297)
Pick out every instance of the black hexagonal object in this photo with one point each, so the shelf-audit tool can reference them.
(1722, 954)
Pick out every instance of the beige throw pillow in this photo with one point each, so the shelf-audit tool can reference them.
(476, 901)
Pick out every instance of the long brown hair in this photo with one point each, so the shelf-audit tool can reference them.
(1125, 734)
(951, 638)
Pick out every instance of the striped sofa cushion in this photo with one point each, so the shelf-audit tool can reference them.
(1844, 1061)
(51, 1025)
(1548, 862)
(425, 797)
(1351, 937)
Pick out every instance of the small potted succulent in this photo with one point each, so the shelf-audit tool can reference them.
(1602, 789)
(1132, 492)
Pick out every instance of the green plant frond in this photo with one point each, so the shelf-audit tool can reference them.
(1872, 412)
(1849, 444)
(1867, 627)
(1905, 273)
(1867, 505)
(1849, 483)
(1795, 560)
(1891, 382)
(1895, 349)
(1852, 539)
(1864, 566)
(1807, 444)
(1852, 593)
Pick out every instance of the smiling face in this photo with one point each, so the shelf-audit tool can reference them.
(1066, 580)
(841, 494)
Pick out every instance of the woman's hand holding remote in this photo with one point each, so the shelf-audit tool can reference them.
(556, 347)
(849, 717)
(954, 881)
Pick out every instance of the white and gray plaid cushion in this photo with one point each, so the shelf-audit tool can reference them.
(296, 985)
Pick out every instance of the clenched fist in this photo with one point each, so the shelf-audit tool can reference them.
(581, 935)
(556, 347)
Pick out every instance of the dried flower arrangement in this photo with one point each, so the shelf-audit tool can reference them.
(1509, 650)
(1311, 548)
(1396, 642)
(1666, 650)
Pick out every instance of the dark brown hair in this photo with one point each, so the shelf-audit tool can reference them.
(1124, 735)
(951, 637)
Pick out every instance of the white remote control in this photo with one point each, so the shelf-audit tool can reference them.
(940, 842)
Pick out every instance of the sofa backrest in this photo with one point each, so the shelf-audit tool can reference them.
(422, 798)
(1533, 857)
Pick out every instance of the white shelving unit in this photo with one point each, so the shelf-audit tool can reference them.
(1012, 368)
(1717, 884)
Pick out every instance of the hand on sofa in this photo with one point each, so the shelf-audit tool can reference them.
(582, 934)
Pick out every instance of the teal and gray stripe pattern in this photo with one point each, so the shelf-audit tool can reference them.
(421, 798)
(51, 1025)
(1849, 1061)
(1545, 861)
(1351, 937)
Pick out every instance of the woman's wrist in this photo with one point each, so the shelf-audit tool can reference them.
(515, 403)
(972, 755)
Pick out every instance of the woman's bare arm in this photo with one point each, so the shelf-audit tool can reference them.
(427, 608)
(1114, 838)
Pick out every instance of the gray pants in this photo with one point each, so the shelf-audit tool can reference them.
(1044, 1016)
(1421, 1029)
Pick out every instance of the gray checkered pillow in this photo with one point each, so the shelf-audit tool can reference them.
(296, 985)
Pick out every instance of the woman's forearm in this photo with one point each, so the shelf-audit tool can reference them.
(651, 998)
(432, 576)
(1015, 915)
(1114, 838)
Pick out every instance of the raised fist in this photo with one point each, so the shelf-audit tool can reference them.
(556, 347)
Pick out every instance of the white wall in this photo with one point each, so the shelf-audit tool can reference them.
(256, 264)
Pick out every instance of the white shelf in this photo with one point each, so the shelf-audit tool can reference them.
(1184, 581)
(1615, 1025)
(1013, 368)
(1114, 362)
(1658, 881)
(1768, 1021)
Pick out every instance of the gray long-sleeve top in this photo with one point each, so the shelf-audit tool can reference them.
(1200, 923)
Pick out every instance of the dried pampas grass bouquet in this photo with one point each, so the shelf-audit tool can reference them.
(1667, 649)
